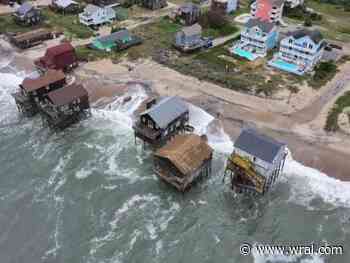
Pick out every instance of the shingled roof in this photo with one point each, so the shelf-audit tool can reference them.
(265, 26)
(59, 49)
(315, 35)
(67, 94)
(119, 35)
(50, 77)
(166, 111)
(186, 152)
(192, 30)
(258, 145)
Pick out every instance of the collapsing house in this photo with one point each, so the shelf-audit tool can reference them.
(33, 91)
(183, 160)
(256, 162)
(60, 57)
(162, 120)
(65, 106)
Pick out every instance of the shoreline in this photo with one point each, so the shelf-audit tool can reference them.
(106, 80)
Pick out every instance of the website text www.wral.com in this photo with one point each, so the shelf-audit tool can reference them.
(291, 250)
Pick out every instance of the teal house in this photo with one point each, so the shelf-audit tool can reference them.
(117, 40)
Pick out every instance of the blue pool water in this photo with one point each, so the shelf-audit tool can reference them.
(243, 53)
(289, 67)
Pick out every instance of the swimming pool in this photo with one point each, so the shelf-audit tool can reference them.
(245, 54)
(283, 65)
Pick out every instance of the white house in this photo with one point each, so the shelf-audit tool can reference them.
(94, 15)
(257, 38)
(300, 51)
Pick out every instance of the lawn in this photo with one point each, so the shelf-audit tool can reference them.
(69, 24)
(332, 118)
(335, 23)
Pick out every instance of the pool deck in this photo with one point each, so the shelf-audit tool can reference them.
(288, 67)
(244, 54)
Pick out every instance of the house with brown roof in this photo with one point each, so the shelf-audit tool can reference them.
(183, 160)
(65, 106)
(32, 91)
(32, 38)
(60, 57)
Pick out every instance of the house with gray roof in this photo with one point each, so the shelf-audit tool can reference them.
(27, 14)
(256, 162)
(65, 6)
(94, 15)
(162, 120)
(257, 38)
(189, 38)
(300, 51)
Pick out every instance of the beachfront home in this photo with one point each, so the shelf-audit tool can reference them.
(183, 160)
(224, 6)
(118, 40)
(65, 6)
(267, 10)
(299, 52)
(60, 57)
(154, 4)
(189, 38)
(65, 106)
(162, 120)
(257, 38)
(94, 15)
(26, 14)
(32, 91)
(256, 162)
(294, 3)
(187, 14)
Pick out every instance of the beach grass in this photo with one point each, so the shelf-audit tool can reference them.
(69, 24)
(339, 106)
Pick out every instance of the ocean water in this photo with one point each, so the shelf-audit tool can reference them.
(88, 194)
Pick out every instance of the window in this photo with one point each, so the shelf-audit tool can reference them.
(311, 46)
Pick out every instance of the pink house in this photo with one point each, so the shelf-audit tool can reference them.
(267, 10)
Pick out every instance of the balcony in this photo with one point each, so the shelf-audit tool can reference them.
(146, 132)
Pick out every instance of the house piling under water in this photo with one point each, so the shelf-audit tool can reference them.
(65, 106)
(256, 162)
(162, 120)
(32, 91)
(183, 160)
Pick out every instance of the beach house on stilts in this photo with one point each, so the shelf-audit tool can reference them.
(32, 91)
(183, 160)
(162, 121)
(256, 162)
